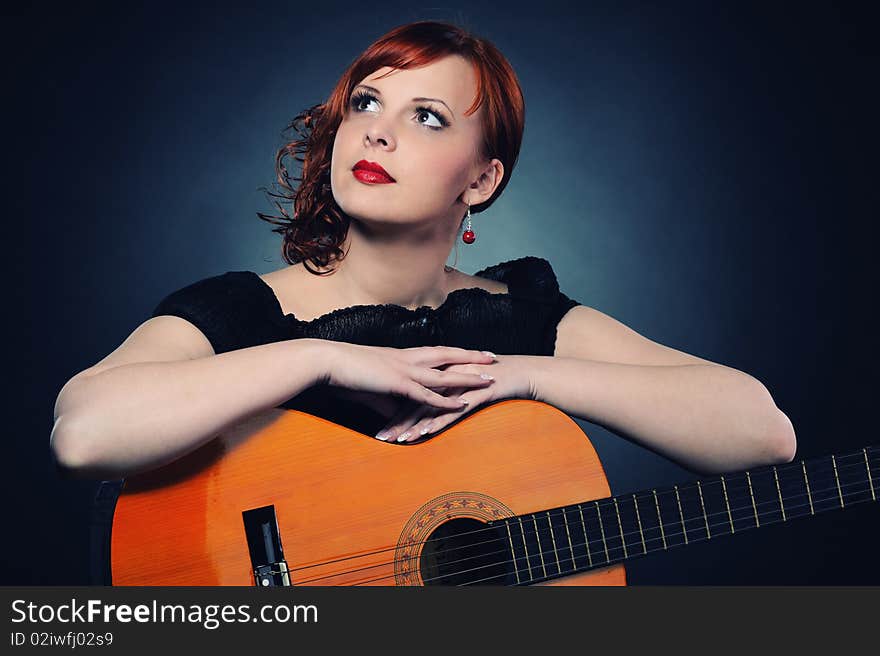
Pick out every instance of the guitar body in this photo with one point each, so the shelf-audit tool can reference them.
(350, 509)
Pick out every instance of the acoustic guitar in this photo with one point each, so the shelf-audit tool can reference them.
(511, 494)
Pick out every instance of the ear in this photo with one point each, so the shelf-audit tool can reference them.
(482, 189)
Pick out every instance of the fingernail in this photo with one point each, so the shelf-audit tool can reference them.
(402, 437)
(382, 435)
(464, 401)
(491, 355)
(487, 377)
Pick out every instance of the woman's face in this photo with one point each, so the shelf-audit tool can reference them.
(431, 153)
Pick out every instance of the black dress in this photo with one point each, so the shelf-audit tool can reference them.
(238, 310)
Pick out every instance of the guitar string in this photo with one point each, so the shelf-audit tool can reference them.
(614, 536)
(649, 551)
(731, 486)
(607, 563)
(775, 514)
(702, 520)
(606, 504)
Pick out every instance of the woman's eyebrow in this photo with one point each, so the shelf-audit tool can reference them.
(419, 99)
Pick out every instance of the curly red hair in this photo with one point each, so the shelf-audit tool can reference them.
(319, 226)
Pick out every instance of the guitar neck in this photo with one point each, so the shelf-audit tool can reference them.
(558, 542)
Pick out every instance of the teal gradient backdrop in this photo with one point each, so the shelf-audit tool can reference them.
(704, 173)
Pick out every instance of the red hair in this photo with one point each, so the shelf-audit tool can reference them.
(319, 226)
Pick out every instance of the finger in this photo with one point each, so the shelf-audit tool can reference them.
(435, 378)
(408, 414)
(432, 356)
(423, 394)
(418, 424)
(420, 430)
(406, 417)
(435, 421)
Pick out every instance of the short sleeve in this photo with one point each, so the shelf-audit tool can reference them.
(558, 309)
(232, 310)
(539, 303)
(539, 283)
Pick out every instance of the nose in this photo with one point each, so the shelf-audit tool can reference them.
(378, 134)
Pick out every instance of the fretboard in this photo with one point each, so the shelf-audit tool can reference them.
(562, 541)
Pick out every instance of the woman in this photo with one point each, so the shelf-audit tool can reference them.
(369, 328)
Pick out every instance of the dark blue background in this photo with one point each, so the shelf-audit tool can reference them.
(706, 174)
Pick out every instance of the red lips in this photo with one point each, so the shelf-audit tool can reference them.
(373, 167)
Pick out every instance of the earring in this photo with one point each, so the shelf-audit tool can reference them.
(468, 235)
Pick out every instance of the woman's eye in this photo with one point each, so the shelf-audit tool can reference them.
(424, 110)
(358, 100)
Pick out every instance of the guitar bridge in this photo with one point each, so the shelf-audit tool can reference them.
(264, 544)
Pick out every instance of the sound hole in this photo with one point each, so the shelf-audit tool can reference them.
(465, 551)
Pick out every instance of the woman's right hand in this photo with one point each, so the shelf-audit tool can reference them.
(408, 373)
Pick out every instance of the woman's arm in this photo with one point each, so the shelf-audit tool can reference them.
(708, 418)
(142, 415)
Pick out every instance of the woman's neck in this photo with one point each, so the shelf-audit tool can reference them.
(407, 270)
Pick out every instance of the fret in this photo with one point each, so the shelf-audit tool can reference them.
(555, 553)
(792, 492)
(690, 509)
(529, 539)
(752, 497)
(513, 555)
(727, 505)
(561, 546)
(660, 519)
(703, 506)
(765, 495)
(620, 526)
(823, 484)
(681, 515)
(520, 549)
(671, 517)
(610, 530)
(807, 486)
(651, 536)
(586, 538)
(837, 480)
(869, 476)
(741, 501)
(572, 541)
(717, 520)
(854, 478)
(629, 522)
(541, 547)
(598, 548)
(598, 510)
(779, 493)
(639, 522)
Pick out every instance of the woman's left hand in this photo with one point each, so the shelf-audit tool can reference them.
(415, 421)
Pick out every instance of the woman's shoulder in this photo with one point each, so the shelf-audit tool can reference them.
(538, 305)
(233, 309)
(213, 291)
(528, 276)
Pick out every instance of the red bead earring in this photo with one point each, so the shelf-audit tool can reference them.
(468, 236)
